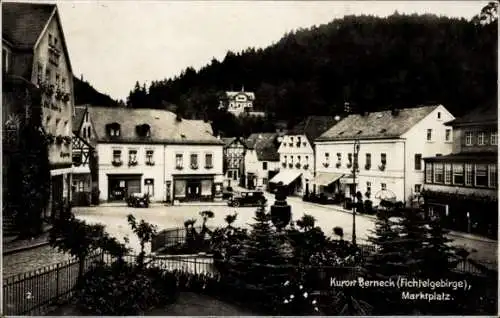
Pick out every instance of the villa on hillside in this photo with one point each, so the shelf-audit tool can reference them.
(156, 152)
(239, 103)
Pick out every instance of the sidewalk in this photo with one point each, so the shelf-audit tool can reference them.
(12, 244)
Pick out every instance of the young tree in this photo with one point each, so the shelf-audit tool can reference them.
(145, 232)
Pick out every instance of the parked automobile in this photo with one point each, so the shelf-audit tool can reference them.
(138, 200)
(248, 198)
(118, 194)
(227, 193)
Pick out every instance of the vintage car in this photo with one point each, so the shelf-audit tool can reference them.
(138, 200)
(247, 198)
(227, 193)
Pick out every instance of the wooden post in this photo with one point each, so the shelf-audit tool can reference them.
(57, 281)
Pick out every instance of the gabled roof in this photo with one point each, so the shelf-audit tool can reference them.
(78, 118)
(227, 141)
(313, 126)
(22, 23)
(165, 128)
(382, 124)
(265, 146)
(478, 116)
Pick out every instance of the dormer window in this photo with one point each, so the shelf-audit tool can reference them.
(113, 130)
(143, 130)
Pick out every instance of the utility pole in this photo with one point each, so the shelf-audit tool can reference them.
(354, 168)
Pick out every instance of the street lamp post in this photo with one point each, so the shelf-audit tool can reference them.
(354, 168)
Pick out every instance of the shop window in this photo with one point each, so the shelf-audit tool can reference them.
(493, 176)
(438, 173)
(468, 174)
(428, 172)
(481, 175)
(458, 174)
(180, 188)
(447, 173)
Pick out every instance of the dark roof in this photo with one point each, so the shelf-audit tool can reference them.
(481, 115)
(22, 23)
(382, 124)
(265, 145)
(165, 128)
(313, 126)
(466, 157)
(227, 141)
(78, 118)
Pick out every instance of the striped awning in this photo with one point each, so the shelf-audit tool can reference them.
(327, 178)
(286, 177)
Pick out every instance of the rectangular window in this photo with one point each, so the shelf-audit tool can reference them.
(285, 159)
(494, 138)
(418, 161)
(63, 84)
(383, 158)
(468, 138)
(438, 173)
(307, 159)
(327, 156)
(179, 161)
(481, 138)
(48, 76)
(383, 186)
(468, 174)
(458, 174)
(132, 156)
(368, 186)
(299, 141)
(194, 161)
(349, 158)
(117, 154)
(368, 160)
(149, 157)
(209, 161)
(418, 188)
(482, 175)
(493, 179)
(264, 165)
(447, 134)
(447, 173)
(429, 134)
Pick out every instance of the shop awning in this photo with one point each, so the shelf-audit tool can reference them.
(348, 180)
(286, 177)
(327, 178)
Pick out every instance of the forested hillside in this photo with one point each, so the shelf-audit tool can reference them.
(371, 62)
(87, 94)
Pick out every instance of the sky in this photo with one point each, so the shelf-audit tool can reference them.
(116, 43)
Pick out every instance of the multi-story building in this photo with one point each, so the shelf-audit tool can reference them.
(261, 159)
(297, 153)
(461, 187)
(388, 164)
(34, 50)
(239, 103)
(234, 160)
(84, 157)
(156, 152)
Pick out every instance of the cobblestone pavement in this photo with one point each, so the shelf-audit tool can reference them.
(30, 260)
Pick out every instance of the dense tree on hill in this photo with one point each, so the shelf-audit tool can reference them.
(86, 94)
(401, 60)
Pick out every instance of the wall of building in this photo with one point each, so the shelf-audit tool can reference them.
(416, 143)
(57, 115)
(288, 147)
(155, 172)
(170, 152)
(459, 139)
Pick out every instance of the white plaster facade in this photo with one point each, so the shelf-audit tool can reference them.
(401, 174)
(297, 155)
(260, 168)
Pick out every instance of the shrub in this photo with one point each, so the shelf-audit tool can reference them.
(122, 289)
